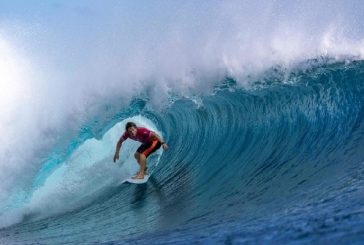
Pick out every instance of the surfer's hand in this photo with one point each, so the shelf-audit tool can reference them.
(116, 157)
(165, 146)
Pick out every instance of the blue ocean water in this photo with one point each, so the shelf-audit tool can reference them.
(279, 162)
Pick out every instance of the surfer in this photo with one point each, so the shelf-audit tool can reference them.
(150, 143)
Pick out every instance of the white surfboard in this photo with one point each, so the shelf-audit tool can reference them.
(138, 181)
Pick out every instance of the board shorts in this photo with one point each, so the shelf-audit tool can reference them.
(148, 148)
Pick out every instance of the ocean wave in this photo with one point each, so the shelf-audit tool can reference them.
(241, 160)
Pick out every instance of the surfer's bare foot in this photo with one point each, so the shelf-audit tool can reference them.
(145, 172)
(138, 176)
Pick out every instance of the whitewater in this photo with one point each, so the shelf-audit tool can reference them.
(261, 104)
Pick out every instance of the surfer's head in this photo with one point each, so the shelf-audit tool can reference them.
(131, 128)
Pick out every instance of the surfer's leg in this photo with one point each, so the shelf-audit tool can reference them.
(137, 156)
(142, 160)
(144, 151)
(142, 163)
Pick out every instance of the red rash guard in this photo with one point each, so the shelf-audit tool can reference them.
(143, 135)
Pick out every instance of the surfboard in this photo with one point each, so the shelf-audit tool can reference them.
(138, 181)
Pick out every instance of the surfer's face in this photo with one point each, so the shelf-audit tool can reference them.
(132, 131)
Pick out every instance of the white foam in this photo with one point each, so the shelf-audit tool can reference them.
(89, 171)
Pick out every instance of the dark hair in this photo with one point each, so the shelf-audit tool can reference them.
(129, 125)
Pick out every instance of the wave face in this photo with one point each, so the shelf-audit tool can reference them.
(280, 162)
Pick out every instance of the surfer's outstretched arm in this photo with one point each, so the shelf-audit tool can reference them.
(118, 146)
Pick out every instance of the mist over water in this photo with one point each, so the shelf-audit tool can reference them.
(69, 72)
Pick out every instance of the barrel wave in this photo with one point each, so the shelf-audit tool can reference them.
(279, 161)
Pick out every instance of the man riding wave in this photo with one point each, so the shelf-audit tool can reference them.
(150, 143)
